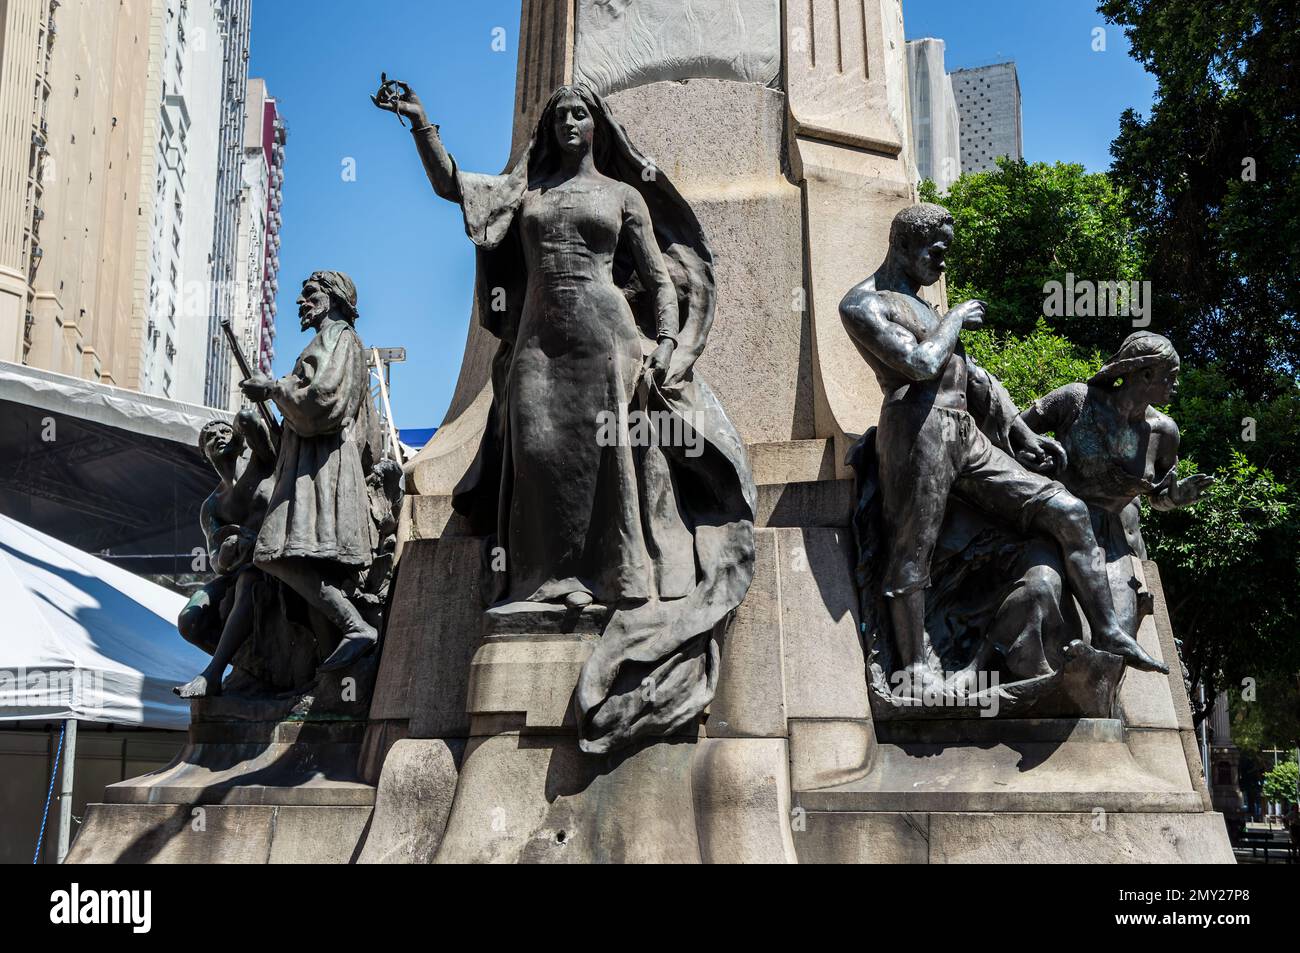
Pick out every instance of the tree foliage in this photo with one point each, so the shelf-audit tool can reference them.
(1030, 366)
(1022, 225)
(1231, 573)
(1212, 178)
(1280, 783)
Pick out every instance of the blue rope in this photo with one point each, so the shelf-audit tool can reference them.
(58, 753)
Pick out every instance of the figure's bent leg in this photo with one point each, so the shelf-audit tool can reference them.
(359, 637)
(1066, 519)
(238, 626)
(1032, 607)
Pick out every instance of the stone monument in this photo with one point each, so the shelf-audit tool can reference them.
(301, 535)
(685, 656)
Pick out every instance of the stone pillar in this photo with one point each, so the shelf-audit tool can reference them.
(784, 127)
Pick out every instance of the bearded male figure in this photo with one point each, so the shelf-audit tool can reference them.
(318, 536)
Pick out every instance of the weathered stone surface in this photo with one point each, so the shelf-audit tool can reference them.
(290, 762)
(441, 616)
(888, 838)
(1150, 572)
(217, 834)
(627, 43)
(820, 503)
(1192, 752)
(792, 461)
(1064, 838)
(750, 701)
(538, 799)
(1145, 698)
(1160, 752)
(529, 677)
(1005, 765)
(1014, 838)
(413, 802)
(757, 361)
(827, 752)
(824, 667)
(742, 801)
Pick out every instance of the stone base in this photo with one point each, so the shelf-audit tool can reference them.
(219, 834)
(241, 791)
(892, 837)
(526, 793)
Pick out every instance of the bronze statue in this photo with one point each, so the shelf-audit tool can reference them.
(597, 278)
(318, 533)
(219, 617)
(1120, 448)
(948, 428)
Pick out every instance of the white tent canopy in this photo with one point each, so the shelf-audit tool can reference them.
(81, 638)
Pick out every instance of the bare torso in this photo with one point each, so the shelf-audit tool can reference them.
(918, 318)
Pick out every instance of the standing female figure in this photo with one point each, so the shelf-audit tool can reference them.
(608, 472)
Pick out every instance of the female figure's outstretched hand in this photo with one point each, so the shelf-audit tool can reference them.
(397, 97)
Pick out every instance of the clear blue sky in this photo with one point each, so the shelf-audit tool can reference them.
(406, 249)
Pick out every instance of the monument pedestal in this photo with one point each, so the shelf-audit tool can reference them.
(260, 781)
(788, 763)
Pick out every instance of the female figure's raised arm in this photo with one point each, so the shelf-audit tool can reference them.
(397, 97)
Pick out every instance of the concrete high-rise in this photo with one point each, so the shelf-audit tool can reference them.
(936, 135)
(230, 182)
(257, 243)
(172, 295)
(73, 105)
(988, 100)
(112, 117)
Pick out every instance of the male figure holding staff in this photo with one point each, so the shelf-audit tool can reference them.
(318, 535)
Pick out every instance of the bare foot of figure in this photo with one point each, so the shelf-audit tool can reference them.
(355, 645)
(965, 682)
(577, 601)
(916, 681)
(200, 686)
(1127, 648)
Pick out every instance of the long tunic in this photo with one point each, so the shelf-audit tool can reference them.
(575, 519)
(320, 508)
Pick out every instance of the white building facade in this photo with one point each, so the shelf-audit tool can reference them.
(936, 133)
(176, 265)
(257, 242)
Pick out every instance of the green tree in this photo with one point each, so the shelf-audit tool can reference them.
(1232, 577)
(1280, 783)
(1021, 226)
(1030, 366)
(1212, 179)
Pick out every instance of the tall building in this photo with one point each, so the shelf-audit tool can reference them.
(173, 294)
(936, 135)
(258, 237)
(113, 117)
(230, 180)
(73, 97)
(988, 100)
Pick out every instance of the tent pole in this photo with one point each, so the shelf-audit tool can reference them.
(65, 788)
